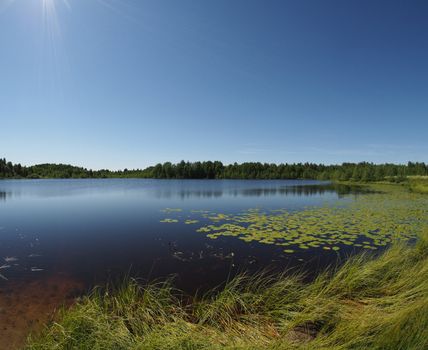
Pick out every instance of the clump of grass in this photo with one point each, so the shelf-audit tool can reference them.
(368, 303)
(418, 184)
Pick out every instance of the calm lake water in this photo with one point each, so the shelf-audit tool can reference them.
(99, 230)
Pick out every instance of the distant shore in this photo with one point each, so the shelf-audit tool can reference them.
(357, 172)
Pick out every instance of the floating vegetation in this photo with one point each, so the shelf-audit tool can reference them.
(172, 210)
(369, 222)
(191, 222)
(169, 221)
(372, 220)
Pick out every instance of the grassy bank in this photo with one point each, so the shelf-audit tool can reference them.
(418, 184)
(369, 303)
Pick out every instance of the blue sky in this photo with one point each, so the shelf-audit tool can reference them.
(129, 83)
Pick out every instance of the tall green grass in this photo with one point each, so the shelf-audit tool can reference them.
(368, 303)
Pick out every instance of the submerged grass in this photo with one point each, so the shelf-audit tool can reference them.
(368, 303)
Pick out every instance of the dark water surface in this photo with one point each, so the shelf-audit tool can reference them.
(97, 230)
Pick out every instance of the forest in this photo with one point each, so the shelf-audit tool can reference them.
(364, 171)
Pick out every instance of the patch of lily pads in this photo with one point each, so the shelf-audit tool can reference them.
(370, 221)
(191, 222)
(169, 221)
(172, 210)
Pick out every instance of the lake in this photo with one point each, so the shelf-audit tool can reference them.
(100, 230)
(59, 238)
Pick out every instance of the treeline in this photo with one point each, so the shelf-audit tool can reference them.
(364, 171)
(347, 171)
(52, 171)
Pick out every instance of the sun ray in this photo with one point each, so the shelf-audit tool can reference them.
(53, 60)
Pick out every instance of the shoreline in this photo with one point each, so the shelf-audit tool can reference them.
(363, 304)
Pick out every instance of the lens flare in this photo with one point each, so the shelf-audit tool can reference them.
(51, 55)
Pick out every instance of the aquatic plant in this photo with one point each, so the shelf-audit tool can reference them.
(172, 210)
(191, 222)
(169, 221)
(368, 222)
